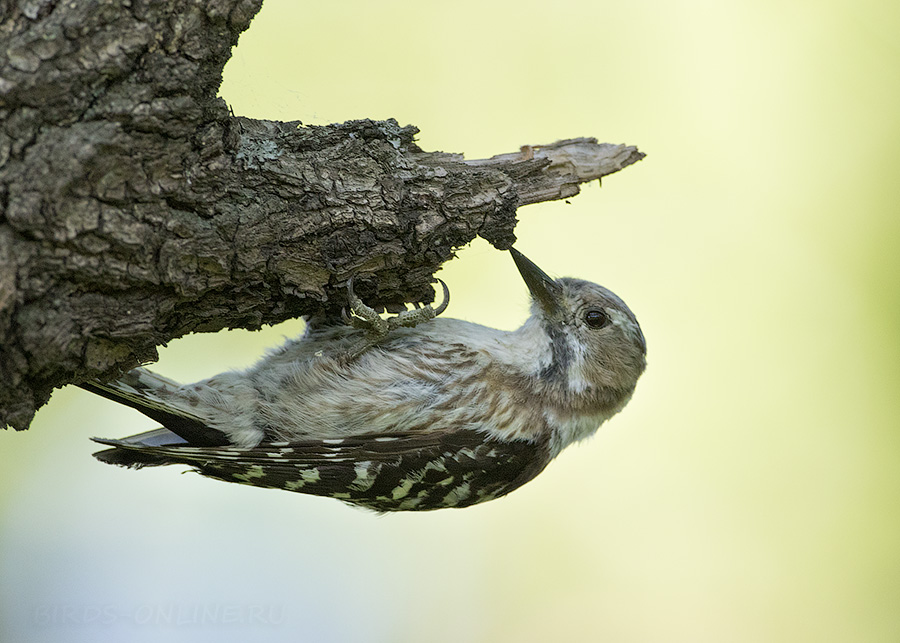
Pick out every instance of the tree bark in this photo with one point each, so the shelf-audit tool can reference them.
(135, 209)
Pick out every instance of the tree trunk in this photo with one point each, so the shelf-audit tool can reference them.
(135, 209)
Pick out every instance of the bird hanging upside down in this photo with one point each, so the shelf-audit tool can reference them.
(408, 413)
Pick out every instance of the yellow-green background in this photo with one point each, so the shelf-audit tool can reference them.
(749, 493)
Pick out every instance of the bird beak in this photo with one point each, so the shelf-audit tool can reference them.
(545, 291)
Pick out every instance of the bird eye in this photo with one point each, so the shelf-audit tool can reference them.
(596, 318)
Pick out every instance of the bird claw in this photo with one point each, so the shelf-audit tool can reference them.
(366, 318)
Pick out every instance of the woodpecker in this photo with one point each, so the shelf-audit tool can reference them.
(409, 413)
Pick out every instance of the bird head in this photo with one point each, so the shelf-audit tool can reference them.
(595, 339)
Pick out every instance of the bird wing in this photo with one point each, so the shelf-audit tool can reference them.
(384, 472)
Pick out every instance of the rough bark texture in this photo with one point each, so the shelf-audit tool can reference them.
(134, 208)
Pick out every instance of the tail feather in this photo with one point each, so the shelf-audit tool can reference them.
(145, 391)
(130, 454)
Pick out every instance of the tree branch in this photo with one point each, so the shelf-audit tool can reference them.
(135, 209)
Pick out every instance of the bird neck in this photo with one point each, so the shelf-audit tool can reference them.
(553, 371)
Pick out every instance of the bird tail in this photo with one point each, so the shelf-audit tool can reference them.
(153, 395)
(131, 456)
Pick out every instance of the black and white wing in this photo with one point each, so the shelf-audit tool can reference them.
(389, 472)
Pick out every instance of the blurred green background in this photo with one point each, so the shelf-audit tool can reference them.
(749, 493)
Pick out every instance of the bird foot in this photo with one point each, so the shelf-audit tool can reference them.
(365, 318)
